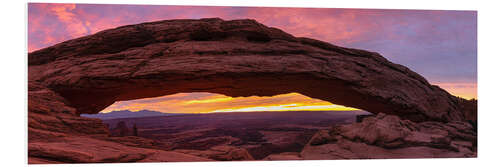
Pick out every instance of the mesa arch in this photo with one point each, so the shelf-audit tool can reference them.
(233, 58)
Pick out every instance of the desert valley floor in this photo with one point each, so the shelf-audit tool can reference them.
(249, 135)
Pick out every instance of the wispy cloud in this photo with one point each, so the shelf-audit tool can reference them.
(440, 45)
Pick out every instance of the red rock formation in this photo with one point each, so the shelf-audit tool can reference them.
(221, 153)
(284, 156)
(49, 117)
(134, 130)
(90, 150)
(234, 58)
(387, 136)
(121, 129)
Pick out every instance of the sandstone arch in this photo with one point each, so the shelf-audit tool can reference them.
(234, 58)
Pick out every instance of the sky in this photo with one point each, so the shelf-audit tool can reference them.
(202, 102)
(439, 45)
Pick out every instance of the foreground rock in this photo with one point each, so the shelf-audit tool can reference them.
(284, 156)
(90, 150)
(387, 136)
(49, 117)
(221, 153)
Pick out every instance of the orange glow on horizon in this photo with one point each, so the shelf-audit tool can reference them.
(463, 90)
(208, 100)
(290, 107)
(211, 103)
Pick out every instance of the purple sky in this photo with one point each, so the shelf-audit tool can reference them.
(440, 45)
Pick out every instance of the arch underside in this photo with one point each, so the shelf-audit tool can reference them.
(234, 58)
(234, 86)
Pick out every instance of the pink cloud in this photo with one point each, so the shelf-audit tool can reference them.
(414, 38)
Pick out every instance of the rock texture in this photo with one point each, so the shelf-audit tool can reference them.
(121, 129)
(283, 156)
(221, 153)
(234, 58)
(387, 136)
(49, 117)
(91, 150)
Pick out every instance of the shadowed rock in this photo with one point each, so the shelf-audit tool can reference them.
(284, 156)
(121, 129)
(221, 153)
(90, 150)
(234, 58)
(387, 136)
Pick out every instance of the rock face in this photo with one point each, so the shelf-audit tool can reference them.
(49, 117)
(283, 156)
(121, 129)
(69, 150)
(234, 58)
(387, 136)
(221, 153)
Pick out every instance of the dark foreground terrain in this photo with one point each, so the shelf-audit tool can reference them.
(250, 135)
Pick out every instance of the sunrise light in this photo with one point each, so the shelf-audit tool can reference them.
(202, 102)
